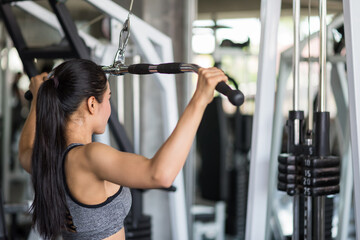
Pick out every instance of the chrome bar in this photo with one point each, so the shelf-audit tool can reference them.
(322, 59)
(296, 62)
(189, 67)
(310, 104)
(115, 70)
(319, 202)
(153, 69)
(296, 56)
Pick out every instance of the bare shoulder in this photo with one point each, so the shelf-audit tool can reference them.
(122, 168)
(102, 160)
(96, 149)
(96, 153)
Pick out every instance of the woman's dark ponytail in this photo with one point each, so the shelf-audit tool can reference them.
(57, 98)
(47, 163)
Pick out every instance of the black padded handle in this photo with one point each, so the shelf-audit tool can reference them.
(169, 68)
(28, 95)
(145, 68)
(142, 68)
(236, 97)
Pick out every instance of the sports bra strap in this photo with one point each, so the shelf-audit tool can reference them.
(71, 146)
(68, 148)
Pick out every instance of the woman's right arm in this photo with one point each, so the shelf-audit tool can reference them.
(28, 133)
(160, 171)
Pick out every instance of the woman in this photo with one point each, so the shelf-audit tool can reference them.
(82, 187)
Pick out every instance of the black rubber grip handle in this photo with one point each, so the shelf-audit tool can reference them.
(170, 189)
(142, 68)
(169, 68)
(236, 97)
(28, 95)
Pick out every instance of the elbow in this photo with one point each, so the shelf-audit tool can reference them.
(162, 179)
(25, 161)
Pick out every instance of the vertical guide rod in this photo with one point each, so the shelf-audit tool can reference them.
(319, 202)
(308, 200)
(296, 56)
(322, 60)
(296, 61)
(310, 106)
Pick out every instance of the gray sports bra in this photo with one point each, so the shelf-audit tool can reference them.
(95, 221)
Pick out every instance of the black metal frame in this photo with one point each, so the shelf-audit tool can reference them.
(17, 37)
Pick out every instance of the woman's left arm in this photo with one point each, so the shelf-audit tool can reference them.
(28, 133)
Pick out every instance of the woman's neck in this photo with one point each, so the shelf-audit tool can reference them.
(77, 131)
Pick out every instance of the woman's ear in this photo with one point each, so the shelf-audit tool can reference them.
(91, 103)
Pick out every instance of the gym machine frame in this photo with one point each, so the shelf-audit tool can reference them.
(261, 209)
(352, 39)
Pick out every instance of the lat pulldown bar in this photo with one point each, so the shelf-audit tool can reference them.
(236, 97)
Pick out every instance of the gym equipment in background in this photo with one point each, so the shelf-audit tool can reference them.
(308, 172)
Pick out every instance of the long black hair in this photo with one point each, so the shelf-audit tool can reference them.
(73, 82)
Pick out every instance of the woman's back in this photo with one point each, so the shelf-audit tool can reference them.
(97, 208)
